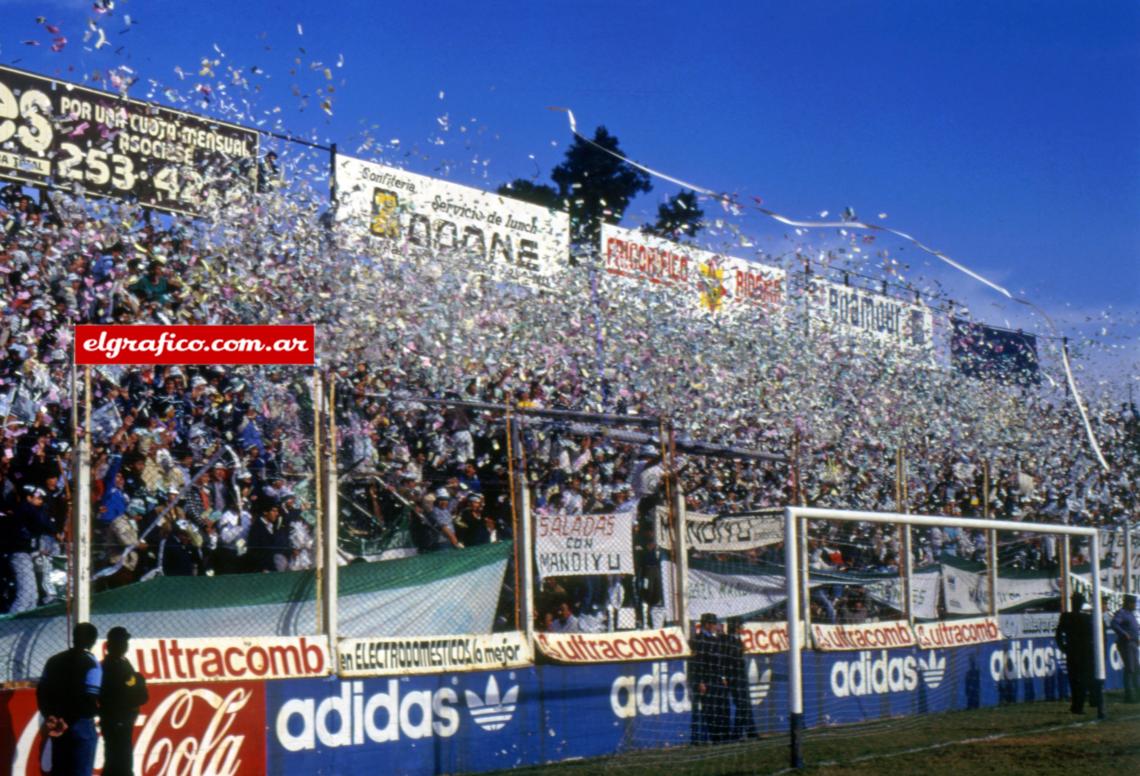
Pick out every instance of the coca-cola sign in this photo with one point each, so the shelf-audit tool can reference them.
(184, 730)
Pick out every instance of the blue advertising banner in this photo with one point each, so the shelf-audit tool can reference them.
(482, 721)
(450, 723)
(845, 687)
(598, 710)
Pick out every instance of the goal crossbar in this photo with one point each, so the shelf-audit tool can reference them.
(794, 516)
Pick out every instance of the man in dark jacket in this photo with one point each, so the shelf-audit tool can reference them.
(68, 699)
(1075, 638)
(269, 548)
(708, 683)
(736, 672)
(123, 693)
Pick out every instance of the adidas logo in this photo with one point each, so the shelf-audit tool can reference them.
(1024, 660)
(933, 669)
(758, 683)
(492, 712)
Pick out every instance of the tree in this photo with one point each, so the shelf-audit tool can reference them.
(592, 185)
(679, 217)
(534, 193)
(597, 185)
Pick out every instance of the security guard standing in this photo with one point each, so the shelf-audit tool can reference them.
(68, 698)
(124, 692)
(736, 671)
(1075, 638)
(708, 683)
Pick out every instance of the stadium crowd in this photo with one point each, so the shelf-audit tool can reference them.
(202, 470)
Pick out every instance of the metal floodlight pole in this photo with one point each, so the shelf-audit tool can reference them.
(72, 587)
(802, 545)
(318, 501)
(804, 548)
(81, 529)
(680, 541)
(906, 549)
(795, 647)
(1098, 627)
(991, 546)
(524, 539)
(1066, 569)
(331, 570)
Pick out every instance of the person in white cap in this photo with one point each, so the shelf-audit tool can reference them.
(440, 521)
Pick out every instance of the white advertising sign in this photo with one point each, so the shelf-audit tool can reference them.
(660, 644)
(883, 320)
(726, 533)
(766, 638)
(578, 545)
(429, 655)
(923, 593)
(957, 633)
(1029, 625)
(713, 283)
(389, 203)
(967, 592)
(870, 635)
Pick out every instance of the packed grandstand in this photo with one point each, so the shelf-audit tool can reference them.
(397, 331)
(485, 372)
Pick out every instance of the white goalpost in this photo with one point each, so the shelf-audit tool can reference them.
(796, 517)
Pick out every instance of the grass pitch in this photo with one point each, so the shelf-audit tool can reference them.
(1043, 739)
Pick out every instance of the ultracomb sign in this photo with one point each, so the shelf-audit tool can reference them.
(765, 638)
(612, 647)
(871, 635)
(957, 633)
(225, 660)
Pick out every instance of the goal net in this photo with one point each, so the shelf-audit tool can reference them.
(904, 623)
(902, 666)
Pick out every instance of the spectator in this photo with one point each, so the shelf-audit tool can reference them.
(180, 551)
(232, 528)
(440, 521)
(564, 620)
(269, 541)
(20, 538)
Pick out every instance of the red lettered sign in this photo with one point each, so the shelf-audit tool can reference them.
(145, 344)
(189, 729)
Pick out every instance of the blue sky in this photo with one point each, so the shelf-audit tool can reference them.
(1006, 134)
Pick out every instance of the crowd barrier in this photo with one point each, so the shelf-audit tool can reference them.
(469, 722)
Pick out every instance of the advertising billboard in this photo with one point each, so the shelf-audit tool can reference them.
(55, 133)
(386, 203)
